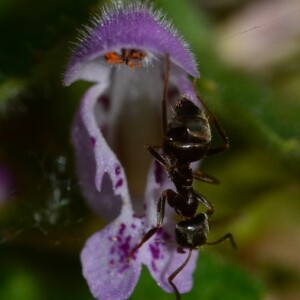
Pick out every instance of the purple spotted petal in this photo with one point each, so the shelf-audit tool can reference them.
(164, 260)
(105, 255)
(160, 253)
(104, 260)
(127, 26)
(101, 174)
(184, 279)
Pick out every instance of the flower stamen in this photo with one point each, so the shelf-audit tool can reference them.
(130, 57)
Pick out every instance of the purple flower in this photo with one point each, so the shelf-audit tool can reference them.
(124, 55)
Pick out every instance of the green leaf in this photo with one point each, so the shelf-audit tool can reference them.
(9, 90)
(217, 279)
(30, 28)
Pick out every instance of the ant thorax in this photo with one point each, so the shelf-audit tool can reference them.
(188, 115)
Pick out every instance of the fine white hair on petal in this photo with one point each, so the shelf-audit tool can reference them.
(158, 15)
(135, 25)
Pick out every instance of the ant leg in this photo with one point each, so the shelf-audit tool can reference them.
(216, 150)
(165, 95)
(206, 203)
(174, 274)
(217, 125)
(160, 212)
(160, 158)
(227, 236)
(199, 175)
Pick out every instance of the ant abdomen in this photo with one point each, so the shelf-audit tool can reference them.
(188, 133)
(185, 152)
(192, 233)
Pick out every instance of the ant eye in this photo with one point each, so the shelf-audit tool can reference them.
(179, 133)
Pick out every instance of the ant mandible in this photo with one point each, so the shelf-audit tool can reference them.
(186, 139)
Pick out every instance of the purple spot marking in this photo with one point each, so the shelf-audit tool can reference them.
(121, 250)
(124, 248)
(123, 268)
(93, 141)
(122, 228)
(119, 183)
(164, 235)
(153, 265)
(133, 226)
(154, 251)
(117, 170)
(158, 173)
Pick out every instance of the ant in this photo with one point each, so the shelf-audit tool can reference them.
(130, 57)
(186, 139)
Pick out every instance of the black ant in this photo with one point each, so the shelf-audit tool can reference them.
(186, 139)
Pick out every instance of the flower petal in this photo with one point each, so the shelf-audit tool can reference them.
(104, 259)
(97, 165)
(184, 279)
(160, 254)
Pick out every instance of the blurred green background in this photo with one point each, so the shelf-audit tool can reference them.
(248, 54)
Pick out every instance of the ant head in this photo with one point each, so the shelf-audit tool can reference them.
(192, 233)
(188, 132)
